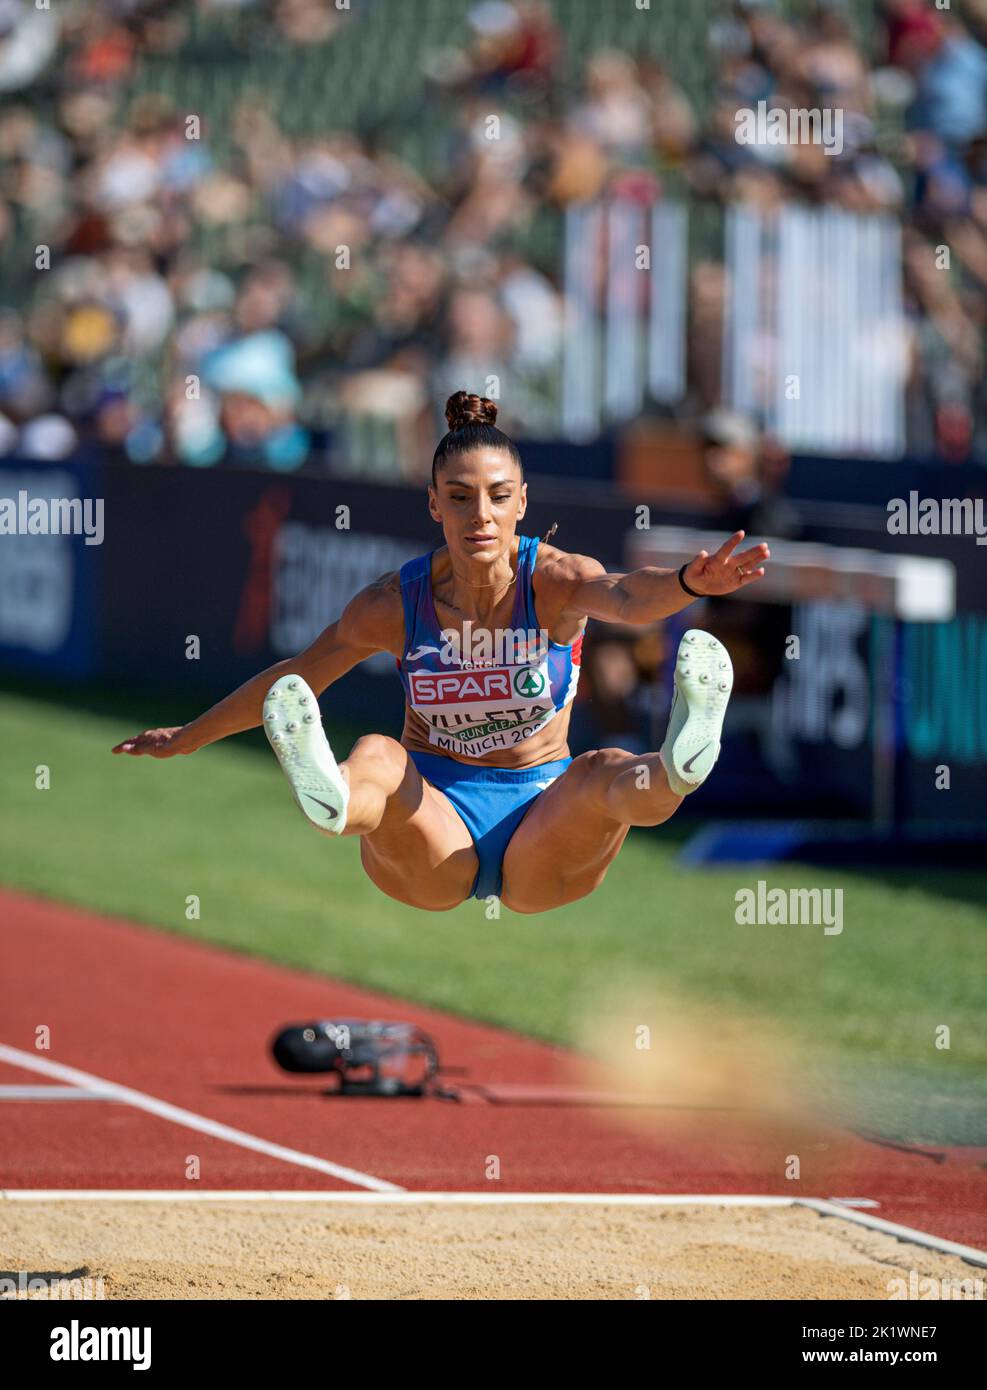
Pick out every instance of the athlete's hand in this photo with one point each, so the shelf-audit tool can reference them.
(159, 743)
(725, 572)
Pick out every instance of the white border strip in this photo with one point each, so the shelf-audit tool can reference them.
(50, 1093)
(891, 1228)
(164, 1111)
(398, 1197)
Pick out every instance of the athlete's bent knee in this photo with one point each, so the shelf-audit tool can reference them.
(379, 747)
(598, 763)
(592, 774)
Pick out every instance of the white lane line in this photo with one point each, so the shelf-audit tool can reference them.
(398, 1197)
(50, 1093)
(165, 1111)
(891, 1228)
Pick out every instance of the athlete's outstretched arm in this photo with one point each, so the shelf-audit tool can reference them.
(371, 622)
(650, 594)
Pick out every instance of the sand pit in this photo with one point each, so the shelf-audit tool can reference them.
(315, 1250)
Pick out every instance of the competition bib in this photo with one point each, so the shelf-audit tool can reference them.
(477, 711)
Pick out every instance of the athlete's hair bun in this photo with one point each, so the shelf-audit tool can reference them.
(464, 409)
(472, 425)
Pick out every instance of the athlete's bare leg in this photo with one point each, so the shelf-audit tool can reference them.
(562, 849)
(413, 843)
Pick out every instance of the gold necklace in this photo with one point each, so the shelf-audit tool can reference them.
(493, 586)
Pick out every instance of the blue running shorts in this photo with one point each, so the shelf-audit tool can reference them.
(492, 802)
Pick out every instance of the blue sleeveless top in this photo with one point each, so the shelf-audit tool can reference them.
(483, 691)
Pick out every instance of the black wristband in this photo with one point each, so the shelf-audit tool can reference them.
(685, 586)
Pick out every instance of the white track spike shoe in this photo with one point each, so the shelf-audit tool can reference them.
(294, 730)
(703, 681)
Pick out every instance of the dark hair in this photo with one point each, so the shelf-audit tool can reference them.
(471, 421)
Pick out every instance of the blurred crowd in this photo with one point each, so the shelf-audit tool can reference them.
(356, 287)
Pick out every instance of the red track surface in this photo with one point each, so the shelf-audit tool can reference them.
(189, 1024)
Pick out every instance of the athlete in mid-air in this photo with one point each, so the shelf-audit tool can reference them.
(480, 796)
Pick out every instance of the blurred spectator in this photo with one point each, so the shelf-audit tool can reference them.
(433, 262)
(28, 42)
(747, 475)
(616, 112)
(951, 85)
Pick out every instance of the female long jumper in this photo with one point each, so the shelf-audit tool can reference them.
(480, 795)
